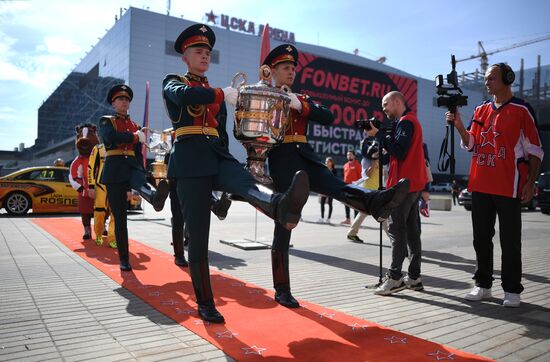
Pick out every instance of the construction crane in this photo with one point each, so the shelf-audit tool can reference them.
(484, 54)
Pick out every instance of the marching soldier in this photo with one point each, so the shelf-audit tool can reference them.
(180, 231)
(296, 154)
(101, 205)
(123, 169)
(201, 162)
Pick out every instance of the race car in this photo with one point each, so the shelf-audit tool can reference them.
(43, 189)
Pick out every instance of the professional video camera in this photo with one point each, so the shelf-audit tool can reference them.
(450, 96)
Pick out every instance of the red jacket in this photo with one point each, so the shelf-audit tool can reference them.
(78, 175)
(413, 166)
(352, 171)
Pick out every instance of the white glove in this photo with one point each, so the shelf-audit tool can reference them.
(295, 102)
(141, 136)
(230, 95)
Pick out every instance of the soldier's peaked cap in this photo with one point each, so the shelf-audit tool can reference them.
(282, 53)
(119, 90)
(194, 36)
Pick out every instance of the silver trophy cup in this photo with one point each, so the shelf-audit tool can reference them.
(261, 119)
(159, 143)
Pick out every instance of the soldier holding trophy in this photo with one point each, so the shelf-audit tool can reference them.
(160, 143)
(296, 154)
(201, 162)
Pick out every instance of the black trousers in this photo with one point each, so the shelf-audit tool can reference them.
(116, 193)
(321, 180)
(347, 209)
(175, 207)
(328, 200)
(195, 195)
(485, 208)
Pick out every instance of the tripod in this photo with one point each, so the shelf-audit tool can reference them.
(380, 188)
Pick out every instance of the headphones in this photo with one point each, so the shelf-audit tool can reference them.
(508, 75)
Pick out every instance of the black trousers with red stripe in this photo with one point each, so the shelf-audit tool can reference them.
(485, 209)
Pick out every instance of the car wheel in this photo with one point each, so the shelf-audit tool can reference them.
(545, 211)
(17, 203)
(467, 207)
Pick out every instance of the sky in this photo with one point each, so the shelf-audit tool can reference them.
(41, 42)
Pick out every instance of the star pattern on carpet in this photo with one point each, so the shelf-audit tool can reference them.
(357, 326)
(395, 339)
(198, 322)
(165, 280)
(156, 293)
(237, 284)
(169, 302)
(253, 350)
(488, 136)
(226, 334)
(185, 311)
(441, 355)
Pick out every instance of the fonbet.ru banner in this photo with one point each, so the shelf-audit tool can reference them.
(350, 92)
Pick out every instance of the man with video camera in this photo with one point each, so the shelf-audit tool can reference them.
(406, 160)
(505, 162)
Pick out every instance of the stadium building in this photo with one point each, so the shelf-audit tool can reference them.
(139, 48)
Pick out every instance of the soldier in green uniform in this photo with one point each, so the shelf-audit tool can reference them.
(296, 154)
(123, 169)
(201, 162)
(180, 230)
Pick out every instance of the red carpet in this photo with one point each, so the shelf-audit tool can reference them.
(256, 328)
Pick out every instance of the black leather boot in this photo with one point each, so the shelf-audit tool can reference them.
(125, 263)
(155, 198)
(220, 206)
(281, 279)
(177, 242)
(285, 208)
(200, 275)
(379, 204)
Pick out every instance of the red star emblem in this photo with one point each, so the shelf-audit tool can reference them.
(488, 136)
(289, 48)
(203, 29)
(211, 17)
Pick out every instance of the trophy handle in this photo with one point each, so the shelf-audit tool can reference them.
(265, 74)
(150, 133)
(285, 88)
(236, 77)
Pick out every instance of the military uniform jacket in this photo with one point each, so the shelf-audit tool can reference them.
(190, 102)
(289, 150)
(117, 133)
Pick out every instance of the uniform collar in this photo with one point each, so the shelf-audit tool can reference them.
(196, 78)
(123, 116)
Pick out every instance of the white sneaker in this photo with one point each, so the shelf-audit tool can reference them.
(478, 294)
(413, 284)
(511, 300)
(327, 220)
(320, 221)
(390, 286)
